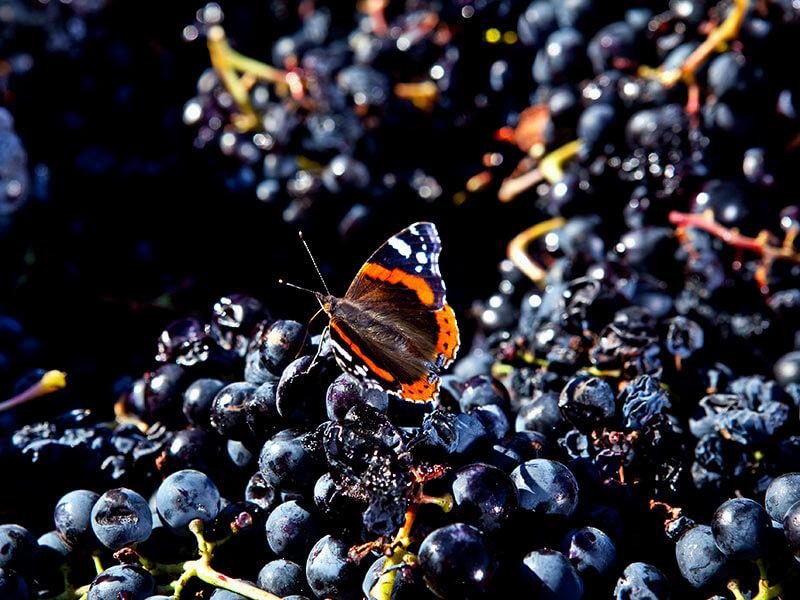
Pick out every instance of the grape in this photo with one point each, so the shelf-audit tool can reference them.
(782, 493)
(329, 571)
(741, 528)
(699, 560)
(291, 529)
(587, 401)
(227, 414)
(456, 561)
(550, 576)
(641, 581)
(73, 517)
(285, 462)
(590, 551)
(121, 517)
(17, 548)
(546, 487)
(282, 578)
(185, 496)
(484, 496)
(122, 581)
(198, 399)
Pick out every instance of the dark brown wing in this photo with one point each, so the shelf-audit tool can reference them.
(394, 320)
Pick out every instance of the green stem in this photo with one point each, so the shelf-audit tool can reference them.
(733, 586)
(205, 572)
(98, 564)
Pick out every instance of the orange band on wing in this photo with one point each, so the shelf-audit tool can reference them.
(447, 344)
(421, 390)
(357, 351)
(414, 282)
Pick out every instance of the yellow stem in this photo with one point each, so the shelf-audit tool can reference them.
(517, 250)
(50, 382)
(715, 42)
(552, 165)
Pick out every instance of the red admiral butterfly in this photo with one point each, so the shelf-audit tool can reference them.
(393, 328)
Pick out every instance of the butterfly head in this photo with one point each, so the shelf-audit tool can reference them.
(327, 302)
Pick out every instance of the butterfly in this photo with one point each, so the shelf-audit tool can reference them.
(393, 329)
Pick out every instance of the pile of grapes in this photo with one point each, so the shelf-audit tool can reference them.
(623, 420)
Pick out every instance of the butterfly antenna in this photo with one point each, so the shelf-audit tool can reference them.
(313, 262)
(297, 287)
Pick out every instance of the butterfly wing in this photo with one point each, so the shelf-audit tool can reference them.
(394, 328)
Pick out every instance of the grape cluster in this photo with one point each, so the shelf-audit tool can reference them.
(347, 91)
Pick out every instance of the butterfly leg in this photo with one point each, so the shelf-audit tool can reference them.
(325, 332)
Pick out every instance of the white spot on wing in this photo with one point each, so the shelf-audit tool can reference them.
(413, 229)
(422, 258)
(344, 353)
(418, 268)
(402, 247)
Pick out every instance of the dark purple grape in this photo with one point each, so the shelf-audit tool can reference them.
(233, 319)
(17, 548)
(185, 496)
(482, 390)
(548, 575)
(456, 561)
(741, 529)
(329, 571)
(297, 396)
(291, 530)
(783, 492)
(184, 342)
(587, 402)
(590, 551)
(540, 414)
(641, 581)
(227, 414)
(261, 409)
(282, 578)
(275, 346)
(122, 581)
(346, 392)
(162, 390)
(121, 517)
(73, 517)
(484, 496)
(191, 448)
(546, 487)
(699, 560)
(285, 462)
(198, 398)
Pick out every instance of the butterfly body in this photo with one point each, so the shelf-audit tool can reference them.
(393, 328)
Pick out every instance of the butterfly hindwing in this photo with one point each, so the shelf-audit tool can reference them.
(393, 328)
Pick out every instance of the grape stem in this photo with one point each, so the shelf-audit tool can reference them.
(52, 381)
(517, 250)
(760, 245)
(382, 590)
(716, 40)
(202, 569)
(231, 66)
